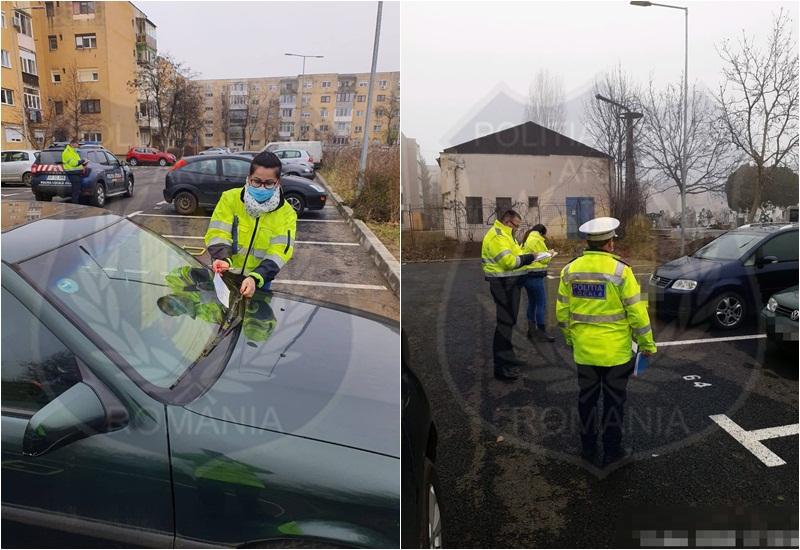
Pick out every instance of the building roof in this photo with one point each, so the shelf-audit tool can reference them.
(526, 139)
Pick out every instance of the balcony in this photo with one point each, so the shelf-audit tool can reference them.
(146, 40)
(35, 116)
(30, 79)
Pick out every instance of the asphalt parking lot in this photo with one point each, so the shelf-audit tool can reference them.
(508, 452)
(328, 263)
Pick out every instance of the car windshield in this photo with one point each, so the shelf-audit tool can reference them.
(146, 299)
(54, 157)
(730, 246)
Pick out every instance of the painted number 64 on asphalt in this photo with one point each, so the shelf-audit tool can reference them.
(696, 378)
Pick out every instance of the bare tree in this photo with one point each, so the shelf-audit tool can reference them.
(187, 112)
(546, 101)
(607, 130)
(388, 114)
(225, 112)
(709, 154)
(272, 119)
(78, 113)
(758, 99)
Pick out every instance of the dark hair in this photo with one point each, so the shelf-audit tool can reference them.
(74, 140)
(539, 228)
(265, 159)
(510, 215)
(598, 245)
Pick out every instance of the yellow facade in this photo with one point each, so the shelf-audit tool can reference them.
(16, 38)
(310, 107)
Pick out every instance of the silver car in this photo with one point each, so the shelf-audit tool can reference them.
(16, 165)
(216, 151)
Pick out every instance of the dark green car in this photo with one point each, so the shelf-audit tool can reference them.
(139, 411)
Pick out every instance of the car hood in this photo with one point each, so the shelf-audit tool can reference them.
(689, 267)
(787, 297)
(313, 371)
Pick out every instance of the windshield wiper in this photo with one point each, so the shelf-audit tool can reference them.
(233, 318)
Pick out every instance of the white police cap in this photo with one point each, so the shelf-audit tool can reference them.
(600, 229)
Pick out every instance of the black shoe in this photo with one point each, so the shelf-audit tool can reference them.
(505, 374)
(516, 362)
(542, 335)
(617, 458)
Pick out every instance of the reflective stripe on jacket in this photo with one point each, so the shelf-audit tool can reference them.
(599, 310)
(500, 253)
(70, 159)
(272, 236)
(535, 244)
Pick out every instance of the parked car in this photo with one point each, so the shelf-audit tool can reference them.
(129, 421)
(149, 155)
(198, 181)
(291, 166)
(781, 316)
(104, 176)
(730, 278)
(16, 164)
(314, 149)
(216, 151)
(422, 525)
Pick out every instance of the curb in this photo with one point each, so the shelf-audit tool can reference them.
(387, 264)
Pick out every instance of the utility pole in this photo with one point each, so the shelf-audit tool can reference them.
(362, 164)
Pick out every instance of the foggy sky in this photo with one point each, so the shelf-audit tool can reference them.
(249, 39)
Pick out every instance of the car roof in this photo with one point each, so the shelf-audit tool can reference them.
(765, 228)
(31, 228)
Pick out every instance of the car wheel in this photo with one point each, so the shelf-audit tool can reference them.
(297, 202)
(99, 195)
(26, 178)
(728, 311)
(162, 162)
(129, 188)
(42, 197)
(185, 203)
(431, 520)
(133, 162)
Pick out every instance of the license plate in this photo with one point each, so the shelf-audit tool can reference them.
(60, 179)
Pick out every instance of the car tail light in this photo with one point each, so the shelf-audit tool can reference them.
(180, 164)
(310, 158)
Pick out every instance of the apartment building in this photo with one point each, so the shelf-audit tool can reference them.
(68, 64)
(248, 113)
(21, 93)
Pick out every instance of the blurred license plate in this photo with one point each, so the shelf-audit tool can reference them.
(57, 179)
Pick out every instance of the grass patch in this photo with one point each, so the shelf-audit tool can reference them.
(389, 234)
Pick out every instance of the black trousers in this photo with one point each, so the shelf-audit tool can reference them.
(506, 293)
(612, 383)
(75, 178)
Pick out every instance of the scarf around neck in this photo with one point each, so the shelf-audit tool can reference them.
(255, 208)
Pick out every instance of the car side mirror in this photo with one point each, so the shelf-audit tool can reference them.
(76, 414)
(766, 260)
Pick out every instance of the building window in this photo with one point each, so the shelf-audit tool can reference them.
(344, 97)
(361, 98)
(13, 135)
(533, 202)
(85, 41)
(49, 10)
(325, 99)
(209, 94)
(209, 108)
(82, 8)
(7, 97)
(273, 87)
(307, 84)
(89, 106)
(358, 129)
(55, 77)
(93, 136)
(383, 84)
(363, 84)
(474, 210)
(502, 205)
(306, 114)
(88, 75)
(59, 106)
(359, 113)
(209, 122)
(376, 128)
(31, 97)
(52, 42)
(344, 112)
(6, 59)
(306, 99)
(304, 128)
(287, 113)
(323, 127)
(28, 61)
(326, 83)
(3, 22)
(210, 135)
(381, 98)
(287, 127)
(323, 113)
(25, 25)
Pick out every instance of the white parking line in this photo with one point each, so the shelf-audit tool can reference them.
(329, 284)
(12, 194)
(751, 440)
(710, 340)
(295, 242)
(162, 202)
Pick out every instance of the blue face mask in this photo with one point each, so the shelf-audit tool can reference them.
(260, 194)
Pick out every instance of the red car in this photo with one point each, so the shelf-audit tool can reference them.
(149, 155)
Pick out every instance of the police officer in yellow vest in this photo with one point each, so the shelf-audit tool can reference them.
(503, 260)
(599, 311)
(73, 166)
(534, 282)
(253, 225)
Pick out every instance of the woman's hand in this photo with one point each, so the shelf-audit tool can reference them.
(248, 287)
(220, 266)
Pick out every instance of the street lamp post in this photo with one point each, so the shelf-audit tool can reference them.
(300, 94)
(685, 107)
(362, 162)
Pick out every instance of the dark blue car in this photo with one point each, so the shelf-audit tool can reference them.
(730, 278)
(104, 175)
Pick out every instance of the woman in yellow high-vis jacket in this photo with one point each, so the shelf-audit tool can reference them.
(252, 230)
(534, 283)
